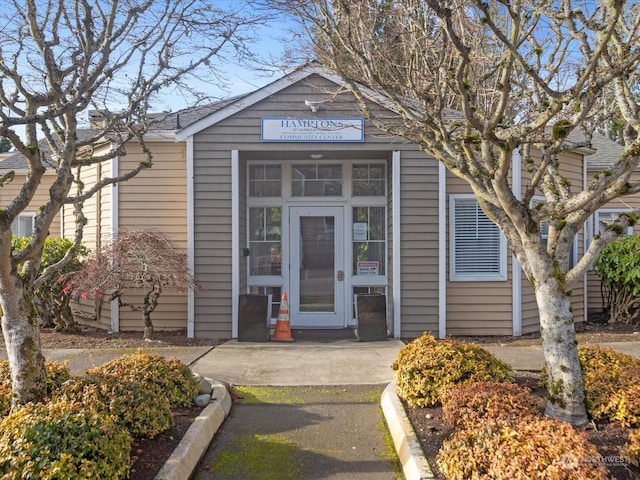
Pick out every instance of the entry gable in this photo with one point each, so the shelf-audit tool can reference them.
(255, 97)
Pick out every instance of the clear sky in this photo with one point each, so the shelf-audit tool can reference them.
(271, 41)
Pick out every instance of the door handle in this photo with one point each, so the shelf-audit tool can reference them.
(340, 275)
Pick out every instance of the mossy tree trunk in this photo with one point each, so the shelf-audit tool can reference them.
(564, 383)
(21, 337)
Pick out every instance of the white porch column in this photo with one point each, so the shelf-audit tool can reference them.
(516, 270)
(442, 251)
(397, 267)
(191, 305)
(115, 215)
(235, 241)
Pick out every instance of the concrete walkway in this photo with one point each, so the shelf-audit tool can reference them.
(344, 362)
(299, 366)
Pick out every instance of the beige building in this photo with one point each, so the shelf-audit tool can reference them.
(288, 189)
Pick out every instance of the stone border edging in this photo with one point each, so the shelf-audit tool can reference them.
(184, 459)
(407, 445)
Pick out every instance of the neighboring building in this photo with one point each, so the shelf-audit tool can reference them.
(607, 153)
(288, 189)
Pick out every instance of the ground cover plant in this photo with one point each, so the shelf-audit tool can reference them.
(92, 427)
(496, 429)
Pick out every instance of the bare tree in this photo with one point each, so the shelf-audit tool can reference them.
(144, 260)
(59, 59)
(478, 84)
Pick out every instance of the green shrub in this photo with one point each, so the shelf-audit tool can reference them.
(611, 383)
(426, 367)
(169, 377)
(133, 405)
(56, 374)
(62, 441)
(527, 448)
(632, 448)
(52, 298)
(466, 405)
(619, 268)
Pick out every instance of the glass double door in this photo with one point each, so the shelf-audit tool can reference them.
(317, 278)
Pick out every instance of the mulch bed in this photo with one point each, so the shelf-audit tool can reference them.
(432, 430)
(149, 455)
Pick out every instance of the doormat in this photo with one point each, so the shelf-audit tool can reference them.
(323, 335)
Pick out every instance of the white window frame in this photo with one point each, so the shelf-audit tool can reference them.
(21, 216)
(574, 245)
(454, 276)
(614, 211)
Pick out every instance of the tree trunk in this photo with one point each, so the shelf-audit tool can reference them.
(565, 386)
(22, 341)
(150, 304)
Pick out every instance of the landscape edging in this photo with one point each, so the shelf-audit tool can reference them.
(184, 459)
(414, 463)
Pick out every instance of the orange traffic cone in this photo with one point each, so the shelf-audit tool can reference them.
(283, 326)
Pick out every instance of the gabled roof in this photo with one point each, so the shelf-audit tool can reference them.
(245, 101)
(607, 153)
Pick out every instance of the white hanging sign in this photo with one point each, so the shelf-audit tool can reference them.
(284, 129)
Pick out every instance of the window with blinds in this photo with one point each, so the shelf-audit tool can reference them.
(478, 249)
(22, 226)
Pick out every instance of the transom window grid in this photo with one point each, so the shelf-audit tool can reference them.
(316, 180)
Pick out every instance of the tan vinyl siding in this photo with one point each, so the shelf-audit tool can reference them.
(572, 166)
(419, 243)
(212, 173)
(530, 316)
(97, 211)
(156, 198)
(10, 190)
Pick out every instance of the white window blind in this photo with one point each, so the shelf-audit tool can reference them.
(478, 250)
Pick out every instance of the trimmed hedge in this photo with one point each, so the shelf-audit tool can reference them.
(56, 374)
(133, 405)
(168, 377)
(469, 404)
(62, 440)
(520, 450)
(612, 385)
(426, 367)
(632, 448)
